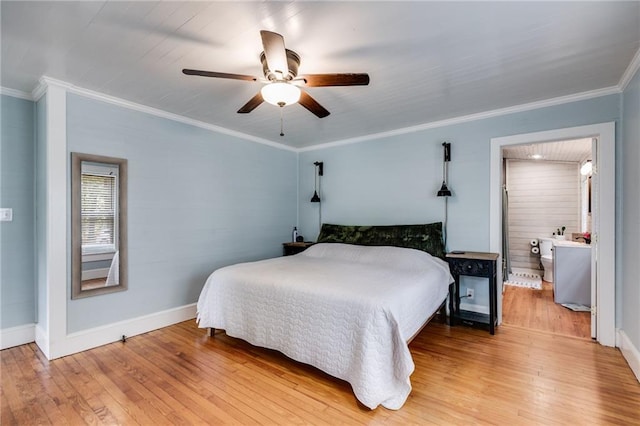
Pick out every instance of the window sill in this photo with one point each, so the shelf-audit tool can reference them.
(94, 257)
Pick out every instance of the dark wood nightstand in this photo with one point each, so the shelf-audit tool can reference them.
(474, 264)
(294, 248)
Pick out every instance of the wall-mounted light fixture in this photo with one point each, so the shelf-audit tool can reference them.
(318, 171)
(586, 168)
(444, 189)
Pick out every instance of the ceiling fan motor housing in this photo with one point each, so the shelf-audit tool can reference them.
(293, 62)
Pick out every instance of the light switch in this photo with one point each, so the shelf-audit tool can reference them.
(6, 215)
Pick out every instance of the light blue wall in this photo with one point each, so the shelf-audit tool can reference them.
(630, 251)
(395, 179)
(229, 200)
(17, 191)
(198, 200)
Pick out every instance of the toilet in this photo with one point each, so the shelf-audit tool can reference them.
(546, 257)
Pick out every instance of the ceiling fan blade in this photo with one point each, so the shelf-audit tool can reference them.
(252, 104)
(219, 75)
(312, 105)
(275, 52)
(319, 80)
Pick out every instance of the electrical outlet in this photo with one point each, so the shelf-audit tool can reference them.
(469, 294)
(6, 215)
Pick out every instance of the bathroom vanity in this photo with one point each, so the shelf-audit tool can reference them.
(572, 273)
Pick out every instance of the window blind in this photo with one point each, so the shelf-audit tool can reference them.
(98, 212)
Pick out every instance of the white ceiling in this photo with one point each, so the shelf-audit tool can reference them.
(428, 61)
(576, 151)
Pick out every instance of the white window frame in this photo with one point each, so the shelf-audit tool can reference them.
(106, 251)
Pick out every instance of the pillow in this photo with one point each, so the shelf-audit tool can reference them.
(397, 257)
(425, 237)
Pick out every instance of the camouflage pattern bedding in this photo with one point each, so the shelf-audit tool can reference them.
(425, 237)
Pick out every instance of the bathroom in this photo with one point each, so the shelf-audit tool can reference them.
(547, 193)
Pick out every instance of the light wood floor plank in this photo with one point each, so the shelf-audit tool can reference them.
(178, 375)
(536, 309)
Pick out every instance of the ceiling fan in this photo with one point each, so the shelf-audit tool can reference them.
(282, 88)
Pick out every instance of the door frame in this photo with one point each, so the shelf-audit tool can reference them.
(603, 229)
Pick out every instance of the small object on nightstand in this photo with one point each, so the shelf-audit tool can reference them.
(294, 248)
(475, 265)
(299, 239)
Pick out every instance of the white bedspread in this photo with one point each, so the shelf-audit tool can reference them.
(348, 310)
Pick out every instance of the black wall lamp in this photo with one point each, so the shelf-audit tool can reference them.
(444, 189)
(319, 171)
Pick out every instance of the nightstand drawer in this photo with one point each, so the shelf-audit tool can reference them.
(476, 268)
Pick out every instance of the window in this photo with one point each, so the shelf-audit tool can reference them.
(98, 207)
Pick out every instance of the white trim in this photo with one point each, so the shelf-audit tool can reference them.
(159, 113)
(15, 93)
(45, 81)
(98, 336)
(39, 90)
(98, 256)
(472, 117)
(16, 336)
(631, 70)
(42, 340)
(606, 221)
(56, 214)
(629, 352)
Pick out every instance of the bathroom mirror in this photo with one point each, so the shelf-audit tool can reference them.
(98, 225)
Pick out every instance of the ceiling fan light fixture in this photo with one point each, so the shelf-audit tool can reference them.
(280, 94)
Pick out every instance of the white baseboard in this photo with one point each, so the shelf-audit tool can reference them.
(98, 336)
(42, 340)
(16, 336)
(630, 353)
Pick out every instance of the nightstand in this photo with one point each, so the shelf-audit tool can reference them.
(474, 264)
(294, 248)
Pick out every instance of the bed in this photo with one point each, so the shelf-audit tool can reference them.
(348, 305)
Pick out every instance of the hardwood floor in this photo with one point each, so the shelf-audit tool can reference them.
(178, 375)
(535, 309)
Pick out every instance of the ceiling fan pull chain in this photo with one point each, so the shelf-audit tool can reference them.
(281, 120)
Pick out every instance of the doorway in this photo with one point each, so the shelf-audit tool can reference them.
(546, 210)
(603, 235)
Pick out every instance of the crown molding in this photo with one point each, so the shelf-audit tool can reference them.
(15, 93)
(630, 71)
(472, 117)
(45, 81)
(48, 81)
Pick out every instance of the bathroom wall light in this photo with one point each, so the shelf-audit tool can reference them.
(586, 168)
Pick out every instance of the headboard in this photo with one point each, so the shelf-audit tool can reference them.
(425, 237)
